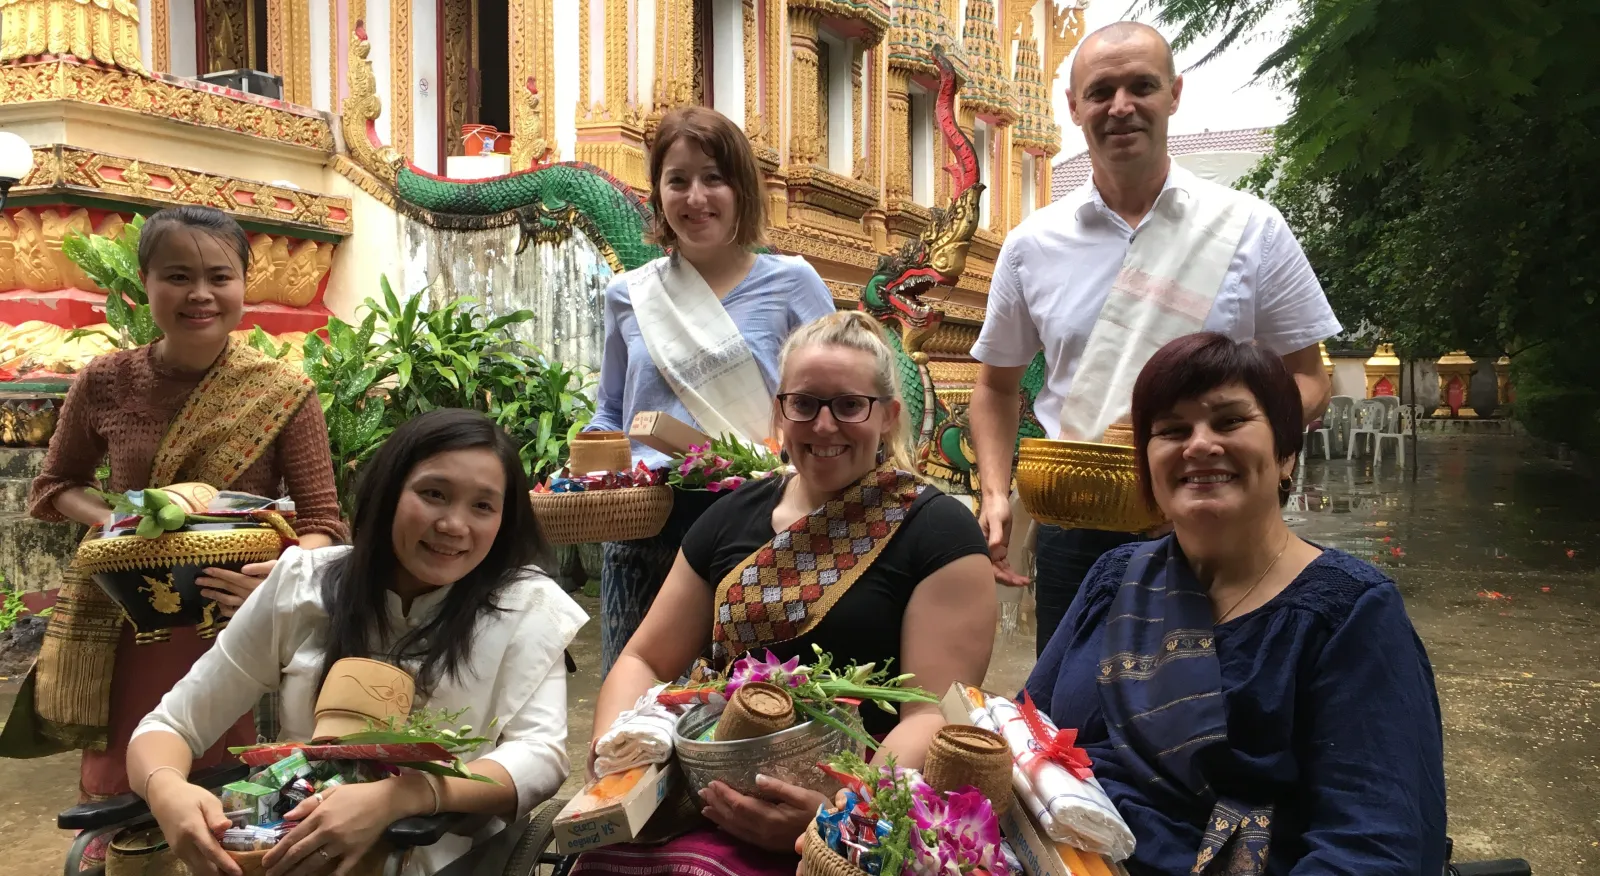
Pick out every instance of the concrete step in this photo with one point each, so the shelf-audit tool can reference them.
(33, 553)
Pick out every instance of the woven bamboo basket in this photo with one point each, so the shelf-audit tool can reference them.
(819, 859)
(962, 756)
(757, 709)
(1082, 485)
(623, 514)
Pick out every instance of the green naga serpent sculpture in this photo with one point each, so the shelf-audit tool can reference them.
(936, 258)
(545, 199)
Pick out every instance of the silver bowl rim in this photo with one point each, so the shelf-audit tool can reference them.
(681, 742)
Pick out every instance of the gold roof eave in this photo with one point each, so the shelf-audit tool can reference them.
(872, 15)
(71, 170)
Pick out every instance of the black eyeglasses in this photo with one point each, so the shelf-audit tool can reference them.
(802, 408)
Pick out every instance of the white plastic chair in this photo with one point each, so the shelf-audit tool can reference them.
(1372, 418)
(1337, 419)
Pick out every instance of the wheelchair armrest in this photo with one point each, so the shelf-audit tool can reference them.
(421, 830)
(126, 807)
(130, 806)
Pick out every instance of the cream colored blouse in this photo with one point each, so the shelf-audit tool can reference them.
(277, 642)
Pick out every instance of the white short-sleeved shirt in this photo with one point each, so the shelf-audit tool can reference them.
(515, 673)
(1056, 268)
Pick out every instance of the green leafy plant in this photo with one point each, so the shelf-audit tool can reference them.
(723, 463)
(402, 361)
(12, 608)
(113, 264)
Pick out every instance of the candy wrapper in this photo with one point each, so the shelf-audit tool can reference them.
(639, 476)
(280, 772)
(256, 837)
(255, 803)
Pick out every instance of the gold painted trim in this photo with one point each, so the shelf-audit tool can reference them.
(360, 112)
(754, 127)
(160, 98)
(365, 181)
(872, 13)
(160, 36)
(585, 108)
(532, 63)
(334, 40)
(401, 87)
(128, 552)
(62, 168)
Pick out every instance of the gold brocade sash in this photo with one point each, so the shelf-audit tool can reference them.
(228, 421)
(783, 590)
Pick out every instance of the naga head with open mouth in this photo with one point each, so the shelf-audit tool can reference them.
(939, 254)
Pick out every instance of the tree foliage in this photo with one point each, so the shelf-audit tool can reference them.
(1439, 165)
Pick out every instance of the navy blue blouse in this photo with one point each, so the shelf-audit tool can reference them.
(1332, 719)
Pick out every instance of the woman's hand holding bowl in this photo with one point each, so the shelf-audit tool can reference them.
(774, 821)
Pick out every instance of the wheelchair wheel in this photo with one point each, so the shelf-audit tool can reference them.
(535, 854)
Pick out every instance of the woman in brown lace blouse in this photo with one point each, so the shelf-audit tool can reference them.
(190, 407)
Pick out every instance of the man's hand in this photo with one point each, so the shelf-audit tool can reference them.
(994, 518)
(774, 821)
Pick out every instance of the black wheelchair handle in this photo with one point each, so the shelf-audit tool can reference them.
(126, 807)
(1508, 867)
(421, 830)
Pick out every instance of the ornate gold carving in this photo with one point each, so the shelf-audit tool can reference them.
(953, 339)
(532, 71)
(459, 59)
(753, 126)
(37, 262)
(297, 81)
(160, 36)
(804, 84)
(160, 98)
(899, 123)
(819, 187)
(676, 69)
(873, 14)
(227, 32)
(212, 548)
(71, 169)
(623, 160)
(772, 47)
(361, 110)
(335, 81)
(585, 102)
(858, 154)
(286, 271)
(104, 31)
(1066, 31)
(289, 47)
(875, 114)
(952, 372)
(401, 86)
(364, 180)
(622, 102)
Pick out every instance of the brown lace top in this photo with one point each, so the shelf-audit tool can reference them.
(120, 405)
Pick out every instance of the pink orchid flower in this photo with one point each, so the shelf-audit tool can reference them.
(965, 833)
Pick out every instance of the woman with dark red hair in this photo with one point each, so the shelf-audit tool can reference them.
(1253, 703)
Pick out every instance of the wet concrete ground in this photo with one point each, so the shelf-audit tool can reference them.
(1479, 543)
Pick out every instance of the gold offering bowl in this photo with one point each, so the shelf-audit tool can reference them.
(1082, 485)
(153, 580)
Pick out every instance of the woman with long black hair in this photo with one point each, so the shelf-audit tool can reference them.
(439, 582)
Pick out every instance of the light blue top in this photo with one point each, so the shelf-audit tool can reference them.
(780, 294)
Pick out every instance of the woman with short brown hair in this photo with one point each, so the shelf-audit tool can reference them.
(695, 333)
(1252, 702)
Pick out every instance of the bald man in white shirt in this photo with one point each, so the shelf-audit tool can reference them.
(1056, 271)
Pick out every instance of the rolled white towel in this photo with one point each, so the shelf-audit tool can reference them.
(1019, 780)
(642, 735)
(1084, 817)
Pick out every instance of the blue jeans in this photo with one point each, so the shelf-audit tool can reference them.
(1062, 558)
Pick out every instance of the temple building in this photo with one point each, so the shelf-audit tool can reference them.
(498, 150)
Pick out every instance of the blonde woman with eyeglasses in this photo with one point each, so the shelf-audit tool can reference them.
(917, 589)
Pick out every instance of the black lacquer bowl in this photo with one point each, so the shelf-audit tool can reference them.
(153, 580)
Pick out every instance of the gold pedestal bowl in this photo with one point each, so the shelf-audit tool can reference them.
(153, 580)
(1082, 485)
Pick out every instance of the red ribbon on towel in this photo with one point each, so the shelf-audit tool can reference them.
(1059, 747)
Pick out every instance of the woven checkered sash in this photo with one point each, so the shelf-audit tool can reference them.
(782, 591)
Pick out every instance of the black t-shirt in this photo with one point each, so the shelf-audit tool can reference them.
(865, 624)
